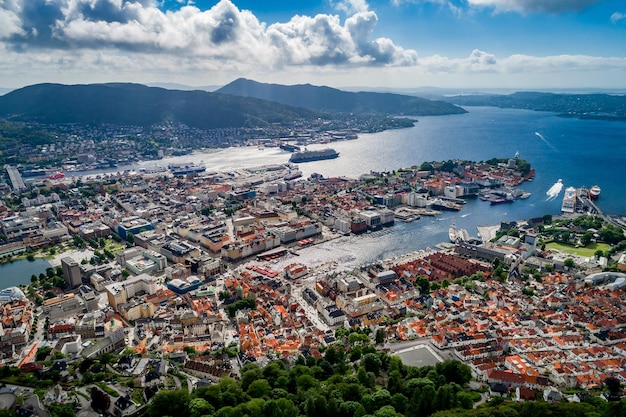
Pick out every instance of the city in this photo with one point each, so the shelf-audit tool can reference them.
(169, 268)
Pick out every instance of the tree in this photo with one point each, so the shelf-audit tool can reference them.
(569, 262)
(400, 402)
(199, 407)
(444, 398)
(100, 400)
(424, 406)
(170, 403)
(372, 363)
(423, 284)
(380, 336)
(316, 406)
(386, 411)
(281, 407)
(586, 238)
(454, 371)
(381, 398)
(259, 388)
(306, 382)
(611, 234)
(249, 374)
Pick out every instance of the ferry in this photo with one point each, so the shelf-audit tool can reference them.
(184, 169)
(594, 192)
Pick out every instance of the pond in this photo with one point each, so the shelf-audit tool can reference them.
(19, 272)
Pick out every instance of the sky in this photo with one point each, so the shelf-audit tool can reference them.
(402, 44)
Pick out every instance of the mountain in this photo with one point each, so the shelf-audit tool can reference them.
(135, 104)
(326, 99)
(184, 87)
(584, 106)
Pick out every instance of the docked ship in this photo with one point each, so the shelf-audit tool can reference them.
(289, 147)
(594, 192)
(500, 200)
(185, 169)
(308, 156)
(569, 200)
(439, 204)
(452, 234)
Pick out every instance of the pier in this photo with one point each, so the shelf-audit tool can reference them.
(585, 205)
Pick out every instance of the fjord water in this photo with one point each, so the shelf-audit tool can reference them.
(580, 152)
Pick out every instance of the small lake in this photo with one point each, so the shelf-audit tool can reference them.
(19, 272)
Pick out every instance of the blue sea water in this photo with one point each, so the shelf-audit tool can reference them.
(580, 152)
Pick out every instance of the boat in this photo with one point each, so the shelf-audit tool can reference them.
(569, 200)
(594, 192)
(500, 200)
(308, 156)
(292, 175)
(184, 169)
(153, 170)
(439, 204)
(452, 233)
(289, 147)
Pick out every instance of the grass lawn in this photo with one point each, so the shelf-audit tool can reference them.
(588, 251)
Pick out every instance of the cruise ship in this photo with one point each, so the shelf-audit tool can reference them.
(308, 156)
(569, 200)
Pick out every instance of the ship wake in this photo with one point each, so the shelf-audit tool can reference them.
(540, 136)
(554, 191)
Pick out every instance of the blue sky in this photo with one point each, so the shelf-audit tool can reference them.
(462, 44)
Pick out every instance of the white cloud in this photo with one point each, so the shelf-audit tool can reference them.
(484, 62)
(617, 16)
(533, 6)
(221, 33)
(351, 7)
(9, 23)
(120, 40)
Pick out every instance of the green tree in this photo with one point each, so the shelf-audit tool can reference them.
(586, 238)
(424, 406)
(170, 403)
(569, 262)
(372, 363)
(259, 389)
(380, 336)
(281, 407)
(199, 407)
(400, 402)
(444, 398)
(423, 284)
(381, 398)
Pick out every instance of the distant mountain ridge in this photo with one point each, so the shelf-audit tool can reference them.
(584, 106)
(136, 104)
(331, 100)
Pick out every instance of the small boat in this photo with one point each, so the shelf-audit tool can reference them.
(594, 192)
